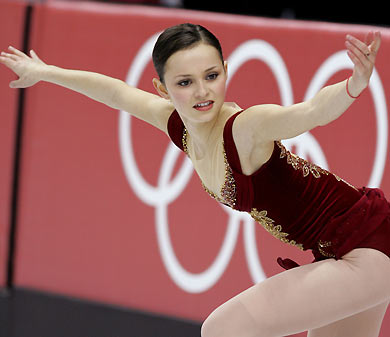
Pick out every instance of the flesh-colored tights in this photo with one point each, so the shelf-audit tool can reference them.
(343, 298)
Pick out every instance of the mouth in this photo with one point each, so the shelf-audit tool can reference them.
(204, 106)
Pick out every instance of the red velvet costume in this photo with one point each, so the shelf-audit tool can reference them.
(299, 202)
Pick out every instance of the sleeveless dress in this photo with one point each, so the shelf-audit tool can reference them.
(298, 202)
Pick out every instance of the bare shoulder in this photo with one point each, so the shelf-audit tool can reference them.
(256, 113)
(259, 111)
(232, 105)
(269, 122)
(161, 111)
(253, 150)
(248, 124)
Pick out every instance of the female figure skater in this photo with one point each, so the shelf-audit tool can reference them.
(242, 163)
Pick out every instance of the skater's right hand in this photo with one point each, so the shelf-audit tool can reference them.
(27, 68)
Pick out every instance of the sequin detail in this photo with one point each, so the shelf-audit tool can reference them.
(301, 164)
(345, 182)
(228, 189)
(322, 245)
(274, 230)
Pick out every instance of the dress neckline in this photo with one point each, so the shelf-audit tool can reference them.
(227, 193)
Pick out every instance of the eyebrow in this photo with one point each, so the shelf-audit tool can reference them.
(188, 75)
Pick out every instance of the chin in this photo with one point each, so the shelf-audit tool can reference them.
(205, 116)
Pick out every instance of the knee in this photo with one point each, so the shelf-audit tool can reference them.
(223, 322)
(210, 326)
(230, 320)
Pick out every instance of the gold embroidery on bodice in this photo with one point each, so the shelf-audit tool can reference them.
(301, 164)
(275, 230)
(322, 245)
(228, 192)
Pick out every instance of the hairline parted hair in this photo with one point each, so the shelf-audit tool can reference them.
(180, 37)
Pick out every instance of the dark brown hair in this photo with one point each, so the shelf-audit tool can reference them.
(177, 38)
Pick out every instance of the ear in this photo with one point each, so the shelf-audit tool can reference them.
(225, 66)
(160, 88)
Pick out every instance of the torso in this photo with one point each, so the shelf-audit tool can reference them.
(211, 167)
(290, 197)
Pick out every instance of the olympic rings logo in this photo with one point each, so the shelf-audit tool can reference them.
(167, 189)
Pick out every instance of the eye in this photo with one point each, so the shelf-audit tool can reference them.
(184, 83)
(212, 76)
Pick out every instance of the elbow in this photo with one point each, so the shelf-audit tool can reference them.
(316, 115)
(114, 99)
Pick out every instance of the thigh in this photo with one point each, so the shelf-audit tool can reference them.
(308, 297)
(363, 324)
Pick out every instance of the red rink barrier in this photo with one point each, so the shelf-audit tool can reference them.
(111, 211)
(11, 26)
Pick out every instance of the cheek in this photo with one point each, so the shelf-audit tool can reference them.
(180, 97)
(220, 87)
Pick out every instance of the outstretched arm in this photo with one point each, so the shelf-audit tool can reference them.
(264, 123)
(110, 91)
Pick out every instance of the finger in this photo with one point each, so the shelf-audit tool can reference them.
(17, 51)
(8, 62)
(16, 84)
(4, 60)
(355, 60)
(358, 44)
(369, 38)
(9, 56)
(358, 54)
(34, 55)
(376, 42)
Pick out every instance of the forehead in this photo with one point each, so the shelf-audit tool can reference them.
(192, 60)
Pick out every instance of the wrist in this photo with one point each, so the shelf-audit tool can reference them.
(353, 88)
(46, 72)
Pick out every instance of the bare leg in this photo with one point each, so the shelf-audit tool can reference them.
(305, 298)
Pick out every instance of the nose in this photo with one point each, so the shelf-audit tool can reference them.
(202, 90)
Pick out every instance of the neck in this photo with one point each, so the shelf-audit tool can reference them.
(200, 135)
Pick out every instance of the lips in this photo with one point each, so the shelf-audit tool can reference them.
(203, 106)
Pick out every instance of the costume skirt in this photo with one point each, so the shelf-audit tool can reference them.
(365, 225)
